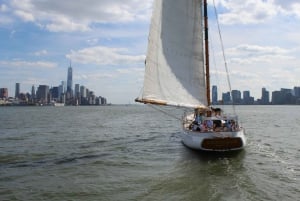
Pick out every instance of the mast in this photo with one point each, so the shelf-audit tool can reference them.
(206, 53)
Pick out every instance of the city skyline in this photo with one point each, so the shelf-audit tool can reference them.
(237, 97)
(107, 42)
(45, 94)
(277, 97)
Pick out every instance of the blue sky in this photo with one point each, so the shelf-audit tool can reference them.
(107, 41)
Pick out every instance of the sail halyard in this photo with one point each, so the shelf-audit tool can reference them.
(174, 73)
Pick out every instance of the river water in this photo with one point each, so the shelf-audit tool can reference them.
(135, 153)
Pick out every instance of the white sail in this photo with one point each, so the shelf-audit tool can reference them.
(174, 73)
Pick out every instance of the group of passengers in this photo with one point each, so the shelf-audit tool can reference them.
(212, 121)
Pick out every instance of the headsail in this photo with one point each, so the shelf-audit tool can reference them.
(174, 73)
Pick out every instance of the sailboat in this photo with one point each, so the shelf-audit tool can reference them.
(177, 74)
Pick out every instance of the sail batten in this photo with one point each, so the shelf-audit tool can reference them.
(174, 71)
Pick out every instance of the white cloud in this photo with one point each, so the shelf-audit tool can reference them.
(64, 24)
(41, 53)
(92, 41)
(25, 16)
(104, 56)
(80, 15)
(256, 49)
(3, 8)
(27, 64)
(249, 54)
(255, 11)
(246, 11)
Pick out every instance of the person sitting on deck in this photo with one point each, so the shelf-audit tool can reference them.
(209, 122)
(217, 111)
(233, 125)
(217, 125)
(197, 123)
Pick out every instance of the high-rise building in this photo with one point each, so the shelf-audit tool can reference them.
(70, 80)
(246, 95)
(247, 99)
(55, 93)
(226, 98)
(42, 94)
(236, 96)
(33, 92)
(61, 89)
(77, 90)
(17, 91)
(3, 93)
(265, 97)
(83, 91)
(297, 91)
(214, 95)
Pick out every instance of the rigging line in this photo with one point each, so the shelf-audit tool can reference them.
(215, 65)
(223, 52)
(164, 112)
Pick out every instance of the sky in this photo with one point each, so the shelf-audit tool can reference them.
(106, 41)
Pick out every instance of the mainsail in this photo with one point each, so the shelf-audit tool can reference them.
(174, 73)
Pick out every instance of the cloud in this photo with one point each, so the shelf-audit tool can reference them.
(246, 11)
(41, 53)
(25, 16)
(80, 15)
(255, 11)
(104, 56)
(3, 8)
(247, 54)
(4, 18)
(64, 24)
(27, 64)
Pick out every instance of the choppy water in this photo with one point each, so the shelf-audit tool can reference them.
(135, 153)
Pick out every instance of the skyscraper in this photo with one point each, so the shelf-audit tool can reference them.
(214, 95)
(77, 90)
(265, 97)
(83, 91)
(236, 96)
(3, 93)
(70, 80)
(42, 94)
(33, 92)
(17, 92)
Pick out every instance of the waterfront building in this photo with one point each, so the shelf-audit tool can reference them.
(214, 95)
(77, 90)
(61, 89)
(226, 98)
(83, 91)
(54, 93)
(3, 93)
(43, 94)
(70, 81)
(33, 92)
(284, 96)
(297, 91)
(247, 99)
(17, 90)
(265, 98)
(92, 98)
(102, 100)
(236, 96)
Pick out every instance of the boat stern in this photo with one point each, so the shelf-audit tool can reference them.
(215, 141)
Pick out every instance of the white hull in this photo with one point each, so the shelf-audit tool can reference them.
(214, 141)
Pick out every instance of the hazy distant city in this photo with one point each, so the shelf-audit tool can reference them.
(65, 95)
(57, 96)
(282, 97)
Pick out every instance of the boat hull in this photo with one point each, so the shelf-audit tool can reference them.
(214, 141)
